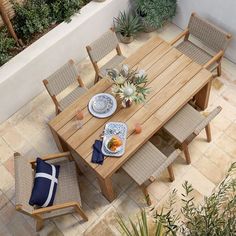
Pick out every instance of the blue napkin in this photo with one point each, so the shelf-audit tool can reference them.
(97, 156)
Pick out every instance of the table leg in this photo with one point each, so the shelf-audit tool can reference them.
(59, 142)
(202, 97)
(107, 188)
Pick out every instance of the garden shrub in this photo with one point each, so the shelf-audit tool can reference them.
(31, 18)
(63, 10)
(7, 44)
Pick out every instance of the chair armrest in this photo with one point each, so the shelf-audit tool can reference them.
(181, 35)
(168, 161)
(214, 59)
(53, 156)
(54, 207)
(207, 120)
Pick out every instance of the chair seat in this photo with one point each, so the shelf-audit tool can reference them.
(71, 97)
(183, 124)
(67, 189)
(144, 163)
(195, 53)
(116, 60)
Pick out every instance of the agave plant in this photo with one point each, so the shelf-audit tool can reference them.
(216, 216)
(127, 25)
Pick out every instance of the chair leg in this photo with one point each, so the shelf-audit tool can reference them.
(81, 212)
(208, 133)
(219, 69)
(186, 153)
(171, 173)
(96, 78)
(146, 194)
(39, 224)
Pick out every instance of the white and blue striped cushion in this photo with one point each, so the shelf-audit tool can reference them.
(45, 184)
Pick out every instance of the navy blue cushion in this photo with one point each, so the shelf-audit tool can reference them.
(45, 184)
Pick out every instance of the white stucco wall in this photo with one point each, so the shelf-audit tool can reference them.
(220, 12)
(21, 78)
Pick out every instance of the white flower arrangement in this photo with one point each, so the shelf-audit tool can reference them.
(128, 84)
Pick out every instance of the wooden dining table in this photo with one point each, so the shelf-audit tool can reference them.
(173, 78)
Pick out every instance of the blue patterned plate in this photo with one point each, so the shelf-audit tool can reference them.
(114, 129)
(102, 105)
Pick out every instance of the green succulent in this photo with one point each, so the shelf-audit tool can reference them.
(127, 24)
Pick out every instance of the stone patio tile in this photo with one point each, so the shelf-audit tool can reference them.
(125, 206)
(7, 180)
(199, 182)
(5, 151)
(221, 122)
(100, 229)
(209, 169)
(50, 229)
(9, 165)
(43, 142)
(90, 214)
(14, 139)
(227, 144)
(92, 197)
(231, 131)
(14, 222)
(228, 111)
(219, 157)
(32, 124)
(69, 225)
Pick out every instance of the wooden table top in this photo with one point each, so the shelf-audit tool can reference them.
(173, 78)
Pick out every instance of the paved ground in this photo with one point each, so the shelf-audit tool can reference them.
(27, 132)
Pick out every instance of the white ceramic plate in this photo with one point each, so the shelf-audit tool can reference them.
(102, 105)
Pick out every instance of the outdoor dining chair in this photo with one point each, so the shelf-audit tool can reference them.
(147, 164)
(97, 50)
(187, 124)
(67, 199)
(59, 81)
(211, 36)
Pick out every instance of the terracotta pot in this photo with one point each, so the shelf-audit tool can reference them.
(125, 39)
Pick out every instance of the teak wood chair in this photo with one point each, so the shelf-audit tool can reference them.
(64, 203)
(102, 47)
(187, 124)
(60, 80)
(211, 36)
(147, 164)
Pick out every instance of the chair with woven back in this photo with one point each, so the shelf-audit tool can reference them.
(100, 48)
(208, 34)
(187, 124)
(147, 164)
(64, 203)
(61, 80)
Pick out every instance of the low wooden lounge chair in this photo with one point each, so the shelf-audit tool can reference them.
(211, 36)
(60, 80)
(147, 164)
(64, 203)
(102, 47)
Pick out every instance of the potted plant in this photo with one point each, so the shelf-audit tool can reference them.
(129, 85)
(154, 13)
(127, 25)
(215, 216)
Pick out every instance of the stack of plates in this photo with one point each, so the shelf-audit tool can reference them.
(102, 105)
